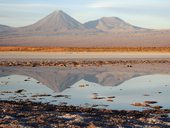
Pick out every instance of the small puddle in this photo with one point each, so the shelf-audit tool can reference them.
(149, 88)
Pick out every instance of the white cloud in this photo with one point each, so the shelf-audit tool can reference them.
(28, 5)
(100, 5)
(110, 3)
(129, 4)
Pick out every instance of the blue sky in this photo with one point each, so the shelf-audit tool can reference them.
(143, 13)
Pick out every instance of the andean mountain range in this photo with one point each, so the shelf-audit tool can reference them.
(60, 29)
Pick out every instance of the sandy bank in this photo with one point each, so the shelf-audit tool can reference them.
(81, 55)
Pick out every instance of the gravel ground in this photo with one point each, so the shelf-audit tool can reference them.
(29, 115)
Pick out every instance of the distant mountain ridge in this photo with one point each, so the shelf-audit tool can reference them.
(110, 24)
(61, 30)
(60, 22)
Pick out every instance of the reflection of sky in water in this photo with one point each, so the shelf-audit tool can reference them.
(157, 87)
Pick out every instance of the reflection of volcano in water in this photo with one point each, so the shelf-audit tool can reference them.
(60, 79)
(83, 93)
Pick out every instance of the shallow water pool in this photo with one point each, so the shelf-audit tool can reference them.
(87, 94)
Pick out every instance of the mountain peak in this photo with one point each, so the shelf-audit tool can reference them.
(60, 11)
(57, 21)
(110, 24)
(110, 17)
(56, 12)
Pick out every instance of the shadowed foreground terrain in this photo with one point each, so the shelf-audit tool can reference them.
(29, 114)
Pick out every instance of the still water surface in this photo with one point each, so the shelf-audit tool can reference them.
(87, 94)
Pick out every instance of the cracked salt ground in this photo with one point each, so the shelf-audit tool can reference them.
(83, 93)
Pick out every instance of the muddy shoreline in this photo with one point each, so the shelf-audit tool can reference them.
(30, 114)
(79, 62)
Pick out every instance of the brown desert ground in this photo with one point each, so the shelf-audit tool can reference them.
(83, 49)
(132, 39)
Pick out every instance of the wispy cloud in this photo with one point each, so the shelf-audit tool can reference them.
(100, 5)
(129, 3)
(109, 3)
(155, 7)
(28, 5)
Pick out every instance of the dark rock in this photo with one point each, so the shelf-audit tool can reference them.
(19, 91)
